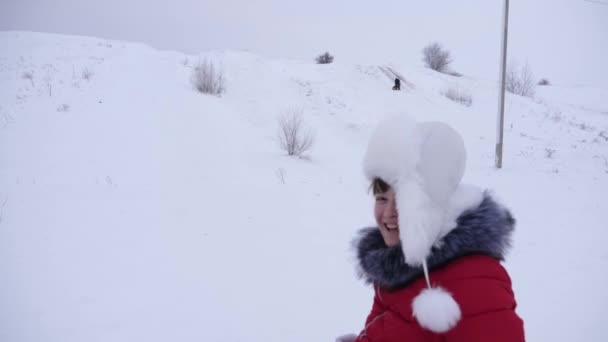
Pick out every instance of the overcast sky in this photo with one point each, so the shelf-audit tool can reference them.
(565, 41)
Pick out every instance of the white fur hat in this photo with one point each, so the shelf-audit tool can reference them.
(424, 164)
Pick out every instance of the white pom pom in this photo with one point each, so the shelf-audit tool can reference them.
(436, 310)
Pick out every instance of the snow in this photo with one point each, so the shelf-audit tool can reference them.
(147, 211)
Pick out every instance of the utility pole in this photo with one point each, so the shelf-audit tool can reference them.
(501, 93)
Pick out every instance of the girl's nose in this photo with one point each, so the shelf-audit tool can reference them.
(391, 207)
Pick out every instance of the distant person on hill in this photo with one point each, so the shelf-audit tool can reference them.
(397, 85)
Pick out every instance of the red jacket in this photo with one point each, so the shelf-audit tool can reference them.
(478, 283)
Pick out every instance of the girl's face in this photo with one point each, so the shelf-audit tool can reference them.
(387, 218)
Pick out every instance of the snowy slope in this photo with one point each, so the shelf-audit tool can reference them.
(134, 208)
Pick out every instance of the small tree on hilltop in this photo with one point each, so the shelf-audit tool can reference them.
(436, 58)
(325, 58)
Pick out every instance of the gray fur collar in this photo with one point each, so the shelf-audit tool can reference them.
(484, 230)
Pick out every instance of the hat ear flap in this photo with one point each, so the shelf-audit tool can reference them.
(423, 195)
(419, 220)
(442, 161)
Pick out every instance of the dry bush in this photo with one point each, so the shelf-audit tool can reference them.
(281, 174)
(436, 57)
(86, 74)
(520, 81)
(294, 137)
(325, 58)
(207, 79)
(585, 127)
(28, 75)
(49, 85)
(556, 116)
(63, 108)
(5, 118)
(458, 95)
(544, 82)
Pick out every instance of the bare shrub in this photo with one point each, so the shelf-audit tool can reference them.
(458, 95)
(435, 57)
(5, 119)
(294, 137)
(86, 74)
(49, 85)
(207, 79)
(582, 126)
(2, 209)
(63, 108)
(454, 73)
(281, 174)
(28, 75)
(585, 127)
(603, 135)
(325, 58)
(557, 116)
(544, 82)
(520, 81)
(549, 152)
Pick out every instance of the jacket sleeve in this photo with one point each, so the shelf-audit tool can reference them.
(497, 326)
(488, 312)
(377, 309)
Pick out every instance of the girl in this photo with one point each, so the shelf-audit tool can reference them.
(434, 257)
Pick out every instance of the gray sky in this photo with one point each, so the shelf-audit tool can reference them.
(565, 41)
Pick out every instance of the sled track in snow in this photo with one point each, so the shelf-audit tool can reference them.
(392, 74)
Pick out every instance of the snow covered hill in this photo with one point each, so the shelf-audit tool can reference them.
(134, 208)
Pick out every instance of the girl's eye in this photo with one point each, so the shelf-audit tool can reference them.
(380, 199)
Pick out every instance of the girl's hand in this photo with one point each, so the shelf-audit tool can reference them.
(347, 338)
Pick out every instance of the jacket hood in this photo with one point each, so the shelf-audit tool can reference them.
(485, 229)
